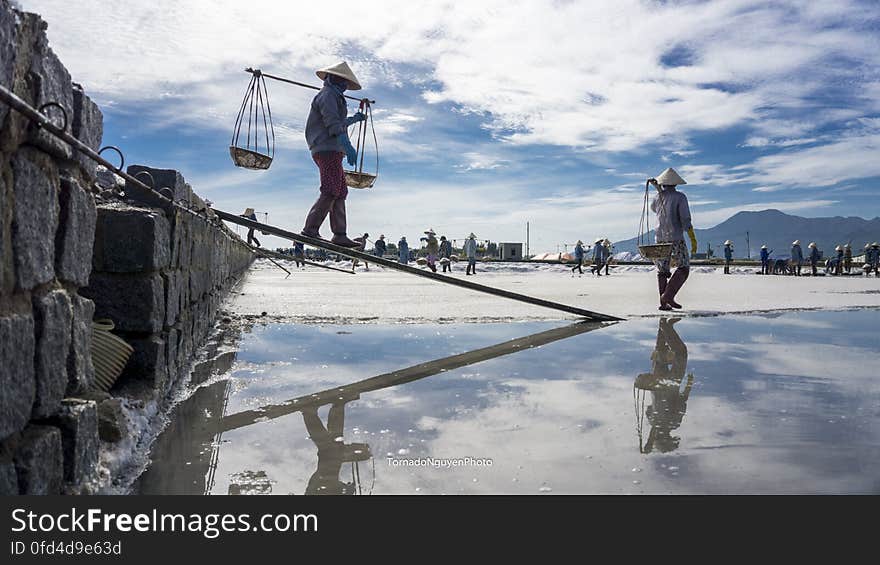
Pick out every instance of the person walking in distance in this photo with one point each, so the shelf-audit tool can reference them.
(470, 251)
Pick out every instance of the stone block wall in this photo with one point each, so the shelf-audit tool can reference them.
(160, 275)
(72, 250)
(47, 223)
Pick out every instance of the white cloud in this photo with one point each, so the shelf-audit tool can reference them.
(590, 75)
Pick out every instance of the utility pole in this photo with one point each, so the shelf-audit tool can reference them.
(527, 240)
(748, 246)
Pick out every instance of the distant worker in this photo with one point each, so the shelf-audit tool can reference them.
(598, 257)
(728, 256)
(765, 261)
(875, 259)
(847, 258)
(608, 254)
(470, 251)
(445, 254)
(251, 238)
(814, 257)
(838, 268)
(797, 257)
(299, 254)
(432, 247)
(327, 137)
(673, 219)
(402, 250)
(578, 257)
(380, 246)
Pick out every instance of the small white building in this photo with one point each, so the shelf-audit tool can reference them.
(510, 251)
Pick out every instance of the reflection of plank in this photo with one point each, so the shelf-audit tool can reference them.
(366, 257)
(402, 376)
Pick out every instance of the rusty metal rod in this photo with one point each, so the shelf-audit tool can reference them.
(366, 257)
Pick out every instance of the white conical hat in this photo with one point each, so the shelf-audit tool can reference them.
(248, 211)
(598, 240)
(340, 69)
(763, 247)
(847, 245)
(579, 242)
(838, 248)
(875, 244)
(867, 246)
(472, 236)
(728, 242)
(812, 244)
(796, 242)
(669, 176)
(431, 231)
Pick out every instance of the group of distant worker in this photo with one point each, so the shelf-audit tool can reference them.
(842, 263)
(436, 251)
(601, 257)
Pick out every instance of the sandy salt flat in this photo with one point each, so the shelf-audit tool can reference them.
(385, 296)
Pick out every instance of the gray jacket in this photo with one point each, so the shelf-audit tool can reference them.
(326, 121)
(673, 216)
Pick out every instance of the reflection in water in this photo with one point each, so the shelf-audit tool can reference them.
(783, 408)
(668, 396)
(333, 452)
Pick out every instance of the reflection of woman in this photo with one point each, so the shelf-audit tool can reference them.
(669, 400)
(332, 450)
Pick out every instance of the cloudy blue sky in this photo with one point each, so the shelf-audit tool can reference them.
(494, 113)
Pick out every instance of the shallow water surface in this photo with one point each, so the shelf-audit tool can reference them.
(741, 404)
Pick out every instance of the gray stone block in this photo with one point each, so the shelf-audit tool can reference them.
(163, 178)
(7, 276)
(172, 281)
(134, 303)
(75, 237)
(17, 384)
(8, 478)
(52, 317)
(80, 371)
(88, 127)
(112, 425)
(34, 218)
(78, 421)
(131, 240)
(7, 52)
(50, 80)
(172, 355)
(147, 363)
(38, 461)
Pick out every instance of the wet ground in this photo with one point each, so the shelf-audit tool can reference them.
(783, 403)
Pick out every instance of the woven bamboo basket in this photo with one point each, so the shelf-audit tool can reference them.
(248, 159)
(355, 179)
(656, 251)
(109, 352)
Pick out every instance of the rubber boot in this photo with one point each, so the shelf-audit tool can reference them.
(317, 215)
(662, 282)
(675, 284)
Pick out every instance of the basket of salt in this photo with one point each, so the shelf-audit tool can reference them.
(248, 159)
(654, 251)
(355, 179)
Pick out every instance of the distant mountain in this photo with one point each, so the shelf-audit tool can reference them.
(777, 230)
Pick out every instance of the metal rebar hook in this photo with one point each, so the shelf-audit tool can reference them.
(54, 105)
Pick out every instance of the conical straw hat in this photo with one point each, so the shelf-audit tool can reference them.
(248, 211)
(579, 242)
(669, 176)
(598, 240)
(812, 244)
(847, 245)
(763, 247)
(340, 69)
(472, 236)
(796, 242)
(431, 231)
(728, 242)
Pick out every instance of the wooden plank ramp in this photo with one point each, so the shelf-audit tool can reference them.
(462, 283)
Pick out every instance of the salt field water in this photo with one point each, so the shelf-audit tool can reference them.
(786, 402)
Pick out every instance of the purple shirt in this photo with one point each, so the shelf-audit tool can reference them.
(673, 215)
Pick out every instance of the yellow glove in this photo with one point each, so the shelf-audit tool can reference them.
(693, 237)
